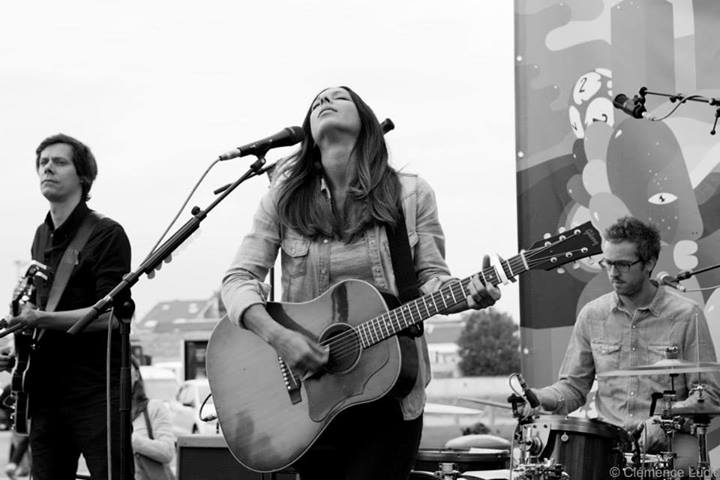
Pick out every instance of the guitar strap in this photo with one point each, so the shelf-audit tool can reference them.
(404, 267)
(68, 260)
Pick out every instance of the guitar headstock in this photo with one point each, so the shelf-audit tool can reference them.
(25, 286)
(573, 244)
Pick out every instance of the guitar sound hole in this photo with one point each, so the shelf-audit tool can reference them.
(344, 345)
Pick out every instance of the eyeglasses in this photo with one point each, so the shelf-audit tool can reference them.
(621, 265)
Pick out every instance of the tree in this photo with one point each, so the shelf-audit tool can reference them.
(489, 344)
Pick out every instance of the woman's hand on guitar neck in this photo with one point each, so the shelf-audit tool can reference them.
(482, 296)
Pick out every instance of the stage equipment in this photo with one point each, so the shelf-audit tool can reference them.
(668, 366)
(206, 457)
(635, 107)
(284, 138)
(585, 448)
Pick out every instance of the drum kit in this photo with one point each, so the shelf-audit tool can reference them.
(553, 447)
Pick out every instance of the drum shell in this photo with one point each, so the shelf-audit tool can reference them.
(587, 448)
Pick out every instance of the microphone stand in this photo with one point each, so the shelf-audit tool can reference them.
(126, 310)
(674, 97)
(685, 274)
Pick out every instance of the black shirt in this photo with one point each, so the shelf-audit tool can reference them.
(72, 367)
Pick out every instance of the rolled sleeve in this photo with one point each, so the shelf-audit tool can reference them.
(242, 285)
(577, 371)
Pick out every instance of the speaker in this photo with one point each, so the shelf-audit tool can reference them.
(206, 457)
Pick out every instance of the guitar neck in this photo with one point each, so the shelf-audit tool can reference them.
(443, 301)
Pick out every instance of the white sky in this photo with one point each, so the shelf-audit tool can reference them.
(159, 89)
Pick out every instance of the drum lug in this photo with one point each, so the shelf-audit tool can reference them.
(564, 437)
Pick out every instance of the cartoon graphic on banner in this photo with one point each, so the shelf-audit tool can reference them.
(580, 159)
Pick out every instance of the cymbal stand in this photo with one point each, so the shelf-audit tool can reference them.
(668, 423)
(700, 427)
(700, 430)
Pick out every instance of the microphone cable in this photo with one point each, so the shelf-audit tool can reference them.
(674, 109)
(182, 207)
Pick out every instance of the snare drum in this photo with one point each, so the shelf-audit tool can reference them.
(430, 463)
(477, 459)
(586, 448)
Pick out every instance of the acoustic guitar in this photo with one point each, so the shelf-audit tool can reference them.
(269, 417)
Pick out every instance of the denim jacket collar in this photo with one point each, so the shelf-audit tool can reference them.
(654, 307)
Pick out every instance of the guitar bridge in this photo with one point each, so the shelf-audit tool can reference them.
(292, 383)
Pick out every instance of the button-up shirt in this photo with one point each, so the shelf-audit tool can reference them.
(607, 336)
(71, 367)
(311, 266)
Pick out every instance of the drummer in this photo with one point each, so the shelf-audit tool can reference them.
(633, 325)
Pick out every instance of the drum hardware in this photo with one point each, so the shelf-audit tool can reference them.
(584, 448)
(545, 471)
(668, 422)
(448, 471)
(676, 418)
(448, 464)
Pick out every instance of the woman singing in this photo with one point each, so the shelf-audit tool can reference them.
(329, 211)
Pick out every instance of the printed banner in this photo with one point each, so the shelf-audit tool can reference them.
(580, 159)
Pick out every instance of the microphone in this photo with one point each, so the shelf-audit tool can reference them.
(635, 107)
(665, 278)
(529, 394)
(284, 138)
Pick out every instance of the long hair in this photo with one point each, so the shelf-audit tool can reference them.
(374, 188)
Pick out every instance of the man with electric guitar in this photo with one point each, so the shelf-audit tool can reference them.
(334, 212)
(64, 376)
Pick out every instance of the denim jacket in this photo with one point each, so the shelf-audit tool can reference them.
(306, 264)
(608, 337)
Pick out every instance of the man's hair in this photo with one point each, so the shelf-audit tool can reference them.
(83, 159)
(645, 236)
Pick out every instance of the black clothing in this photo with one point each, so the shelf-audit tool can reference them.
(363, 442)
(67, 373)
(61, 432)
(72, 367)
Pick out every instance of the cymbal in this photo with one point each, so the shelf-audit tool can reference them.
(696, 410)
(664, 367)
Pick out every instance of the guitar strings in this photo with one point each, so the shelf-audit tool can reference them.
(346, 344)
